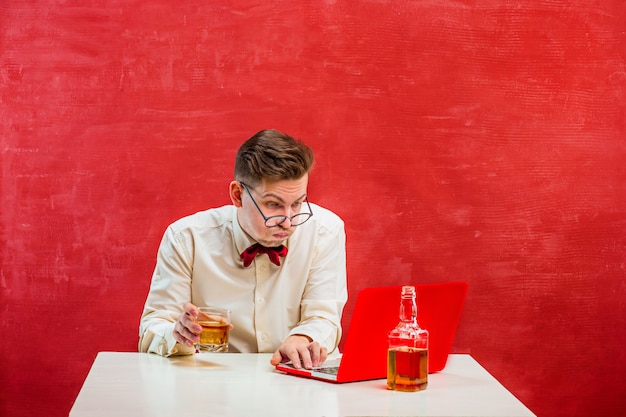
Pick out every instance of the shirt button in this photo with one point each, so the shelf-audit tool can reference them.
(260, 300)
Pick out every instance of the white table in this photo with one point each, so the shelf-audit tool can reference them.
(231, 384)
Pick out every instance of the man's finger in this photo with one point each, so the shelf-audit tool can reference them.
(318, 353)
(276, 358)
(305, 356)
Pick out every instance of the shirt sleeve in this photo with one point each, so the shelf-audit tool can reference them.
(325, 294)
(169, 290)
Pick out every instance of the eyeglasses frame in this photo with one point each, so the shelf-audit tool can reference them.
(265, 218)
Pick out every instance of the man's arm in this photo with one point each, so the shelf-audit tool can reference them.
(169, 291)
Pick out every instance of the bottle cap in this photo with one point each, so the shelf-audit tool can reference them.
(408, 290)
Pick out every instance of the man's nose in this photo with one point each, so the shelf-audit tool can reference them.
(287, 223)
(289, 212)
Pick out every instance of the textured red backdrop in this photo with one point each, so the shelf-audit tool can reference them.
(460, 140)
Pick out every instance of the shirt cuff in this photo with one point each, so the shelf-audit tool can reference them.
(163, 342)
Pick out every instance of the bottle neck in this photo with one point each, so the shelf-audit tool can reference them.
(408, 309)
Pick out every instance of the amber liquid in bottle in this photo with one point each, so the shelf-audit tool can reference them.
(407, 358)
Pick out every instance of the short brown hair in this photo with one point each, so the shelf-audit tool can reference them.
(272, 155)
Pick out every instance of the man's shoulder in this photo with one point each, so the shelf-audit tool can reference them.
(213, 217)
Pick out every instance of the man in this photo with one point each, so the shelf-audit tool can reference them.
(287, 301)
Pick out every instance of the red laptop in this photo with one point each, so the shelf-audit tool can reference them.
(376, 310)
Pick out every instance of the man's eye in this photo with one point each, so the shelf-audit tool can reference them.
(272, 204)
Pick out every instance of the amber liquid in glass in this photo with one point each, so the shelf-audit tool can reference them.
(214, 335)
(407, 369)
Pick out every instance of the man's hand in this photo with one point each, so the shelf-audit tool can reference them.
(186, 330)
(301, 351)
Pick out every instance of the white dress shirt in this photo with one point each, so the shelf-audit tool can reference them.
(199, 262)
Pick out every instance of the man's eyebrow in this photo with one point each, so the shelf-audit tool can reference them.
(302, 197)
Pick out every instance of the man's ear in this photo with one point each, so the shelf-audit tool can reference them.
(235, 193)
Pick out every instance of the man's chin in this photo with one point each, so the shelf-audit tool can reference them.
(271, 243)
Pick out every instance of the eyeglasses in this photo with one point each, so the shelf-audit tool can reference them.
(273, 221)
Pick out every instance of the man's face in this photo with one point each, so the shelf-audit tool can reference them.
(279, 198)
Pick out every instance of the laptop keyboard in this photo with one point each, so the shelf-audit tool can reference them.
(330, 367)
(331, 370)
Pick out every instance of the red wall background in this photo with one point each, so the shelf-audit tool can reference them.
(460, 140)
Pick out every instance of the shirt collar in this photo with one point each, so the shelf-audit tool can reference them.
(242, 239)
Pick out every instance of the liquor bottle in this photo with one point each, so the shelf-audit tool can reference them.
(407, 358)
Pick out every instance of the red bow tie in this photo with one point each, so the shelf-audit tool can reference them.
(249, 254)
